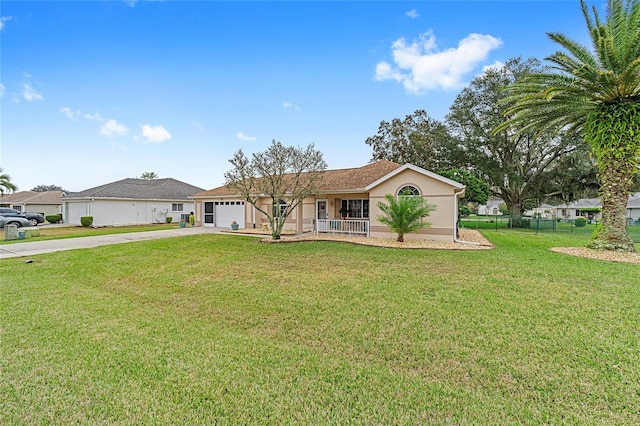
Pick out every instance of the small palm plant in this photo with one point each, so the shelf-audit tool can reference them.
(405, 213)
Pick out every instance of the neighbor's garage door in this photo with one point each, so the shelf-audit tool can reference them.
(224, 212)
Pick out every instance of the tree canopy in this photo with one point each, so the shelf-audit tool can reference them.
(418, 139)
(511, 161)
(285, 175)
(45, 188)
(149, 175)
(476, 191)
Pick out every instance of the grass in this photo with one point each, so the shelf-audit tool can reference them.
(58, 233)
(542, 226)
(217, 329)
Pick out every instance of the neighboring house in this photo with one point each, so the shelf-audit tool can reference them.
(47, 202)
(492, 208)
(357, 190)
(576, 208)
(633, 208)
(131, 202)
(544, 211)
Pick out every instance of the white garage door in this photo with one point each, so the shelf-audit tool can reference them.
(222, 213)
(75, 211)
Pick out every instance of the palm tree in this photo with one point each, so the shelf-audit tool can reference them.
(5, 183)
(596, 93)
(149, 175)
(404, 214)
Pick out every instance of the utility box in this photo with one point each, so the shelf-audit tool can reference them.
(10, 232)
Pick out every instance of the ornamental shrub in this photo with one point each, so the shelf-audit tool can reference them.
(86, 221)
(169, 219)
(580, 222)
(53, 218)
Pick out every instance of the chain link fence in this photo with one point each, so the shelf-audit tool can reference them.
(540, 225)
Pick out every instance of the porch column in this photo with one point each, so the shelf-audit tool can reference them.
(299, 223)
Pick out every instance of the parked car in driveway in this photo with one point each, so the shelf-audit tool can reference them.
(33, 218)
(14, 220)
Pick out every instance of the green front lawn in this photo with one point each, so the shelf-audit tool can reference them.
(218, 329)
(58, 233)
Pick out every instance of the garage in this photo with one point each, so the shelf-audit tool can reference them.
(222, 213)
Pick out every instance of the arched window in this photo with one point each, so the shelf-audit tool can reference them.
(409, 190)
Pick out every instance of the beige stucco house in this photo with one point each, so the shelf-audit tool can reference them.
(47, 203)
(357, 190)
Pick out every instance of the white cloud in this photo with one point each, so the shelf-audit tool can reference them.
(1, 90)
(113, 128)
(289, 105)
(30, 94)
(69, 113)
(93, 117)
(155, 134)
(413, 14)
(4, 19)
(244, 137)
(420, 66)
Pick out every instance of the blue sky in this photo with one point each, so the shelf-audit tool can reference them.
(97, 91)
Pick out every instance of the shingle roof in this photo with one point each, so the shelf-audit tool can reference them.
(151, 189)
(634, 202)
(340, 180)
(32, 197)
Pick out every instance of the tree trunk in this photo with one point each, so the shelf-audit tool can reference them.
(612, 232)
(613, 132)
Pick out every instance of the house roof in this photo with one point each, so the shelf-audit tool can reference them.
(32, 197)
(585, 203)
(416, 169)
(151, 189)
(341, 180)
(634, 201)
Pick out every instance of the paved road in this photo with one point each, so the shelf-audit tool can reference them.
(31, 248)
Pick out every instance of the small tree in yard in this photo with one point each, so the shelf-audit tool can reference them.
(405, 213)
(286, 175)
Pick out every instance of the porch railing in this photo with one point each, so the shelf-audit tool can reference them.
(342, 226)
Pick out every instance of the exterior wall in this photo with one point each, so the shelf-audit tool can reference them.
(46, 209)
(443, 219)
(123, 212)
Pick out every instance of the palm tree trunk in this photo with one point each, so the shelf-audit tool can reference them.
(617, 151)
(612, 232)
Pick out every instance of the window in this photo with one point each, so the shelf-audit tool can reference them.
(177, 207)
(283, 207)
(408, 190)
(18, 208)
(358, 209)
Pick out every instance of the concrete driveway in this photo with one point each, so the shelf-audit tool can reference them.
(31, 248)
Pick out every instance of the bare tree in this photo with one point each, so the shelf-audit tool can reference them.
(285, 175)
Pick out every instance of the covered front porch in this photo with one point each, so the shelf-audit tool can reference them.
(347, 215)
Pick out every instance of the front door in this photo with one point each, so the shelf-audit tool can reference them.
(209, 214)
(321, 209)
